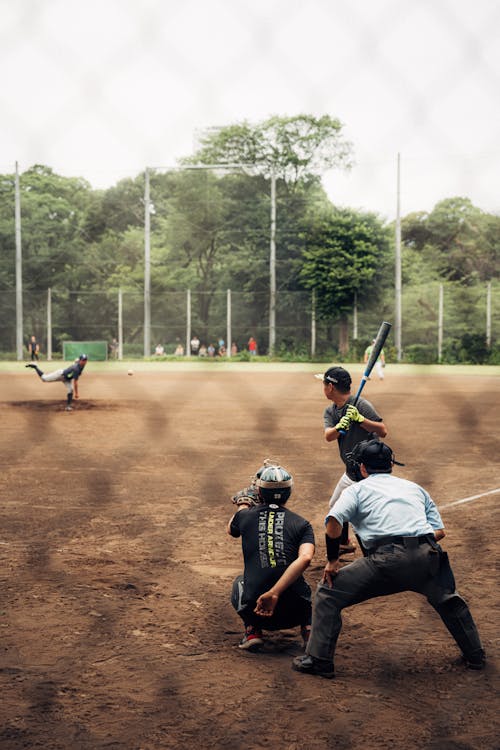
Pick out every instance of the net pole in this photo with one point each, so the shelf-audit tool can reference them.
(272, 268)
(120, 324)
(440, 323)
(147, 266)
(228, 324)
(188, 323)
(397, 326)
(49, 324)
(19, 268)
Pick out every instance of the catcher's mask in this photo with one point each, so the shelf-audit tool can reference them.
(274, 484)
(376, 456)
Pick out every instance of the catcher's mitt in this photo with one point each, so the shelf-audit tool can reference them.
(249, 496)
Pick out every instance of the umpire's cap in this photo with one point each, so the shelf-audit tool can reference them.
(377, 457)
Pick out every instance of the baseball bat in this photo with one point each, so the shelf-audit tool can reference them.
(382, 334)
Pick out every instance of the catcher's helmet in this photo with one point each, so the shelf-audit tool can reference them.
(274, 484)
(267, 463)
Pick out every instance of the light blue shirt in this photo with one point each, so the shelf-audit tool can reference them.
(383, 505)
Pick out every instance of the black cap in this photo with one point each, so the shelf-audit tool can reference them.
(339, 377)
(376, 456)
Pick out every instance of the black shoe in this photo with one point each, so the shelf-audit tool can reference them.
(476, 660)
(310, 665)
(30, 364)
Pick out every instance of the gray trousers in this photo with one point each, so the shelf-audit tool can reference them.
(391, 569)
(51, 377)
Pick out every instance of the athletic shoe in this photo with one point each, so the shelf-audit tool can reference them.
(69, 408)
(252, 640)
(30, 364)
(317, 667)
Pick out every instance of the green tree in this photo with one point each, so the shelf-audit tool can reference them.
(345, 255)
(295, 148)
(458, 241)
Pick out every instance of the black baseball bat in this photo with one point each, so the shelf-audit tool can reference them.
(382, 334)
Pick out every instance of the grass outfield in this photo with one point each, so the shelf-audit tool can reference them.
(215, 365)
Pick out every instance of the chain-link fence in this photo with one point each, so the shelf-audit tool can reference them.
(434, 312)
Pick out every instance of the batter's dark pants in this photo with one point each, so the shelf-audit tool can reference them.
(393, 568)
(292, 609)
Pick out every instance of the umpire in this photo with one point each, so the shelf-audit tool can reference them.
(399, 526)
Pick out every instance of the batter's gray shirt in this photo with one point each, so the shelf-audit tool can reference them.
(356, 433)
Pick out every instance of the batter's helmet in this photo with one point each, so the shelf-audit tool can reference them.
(83, 358)
(274, 485)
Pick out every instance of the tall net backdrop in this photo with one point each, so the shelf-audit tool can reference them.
(373, 55)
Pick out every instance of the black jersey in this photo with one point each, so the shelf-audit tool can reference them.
(271, 536)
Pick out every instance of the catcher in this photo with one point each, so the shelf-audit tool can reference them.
(278, 546)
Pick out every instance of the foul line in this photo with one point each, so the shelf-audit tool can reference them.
(468, 499)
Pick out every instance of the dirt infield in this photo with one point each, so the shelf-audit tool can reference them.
(115, 622)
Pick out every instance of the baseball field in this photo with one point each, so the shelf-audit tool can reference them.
(116, 629)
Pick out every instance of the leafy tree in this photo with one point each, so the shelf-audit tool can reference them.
(295, 148)
(345, 255)
(457, 240)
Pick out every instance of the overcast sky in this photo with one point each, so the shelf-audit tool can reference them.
(102, 88)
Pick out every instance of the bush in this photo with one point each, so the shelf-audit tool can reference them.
(468, 349)
(474, 348)
(494, 356)
(289, 351)
(421, 354)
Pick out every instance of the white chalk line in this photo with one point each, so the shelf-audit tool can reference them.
(469, 499)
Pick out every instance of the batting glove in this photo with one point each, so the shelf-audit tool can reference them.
(343, 424)
(353, 414)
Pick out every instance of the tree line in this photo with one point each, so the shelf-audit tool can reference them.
(210, 232)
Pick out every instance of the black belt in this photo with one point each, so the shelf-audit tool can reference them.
(410, 542)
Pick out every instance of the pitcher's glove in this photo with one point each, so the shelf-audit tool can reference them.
(249, 496)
